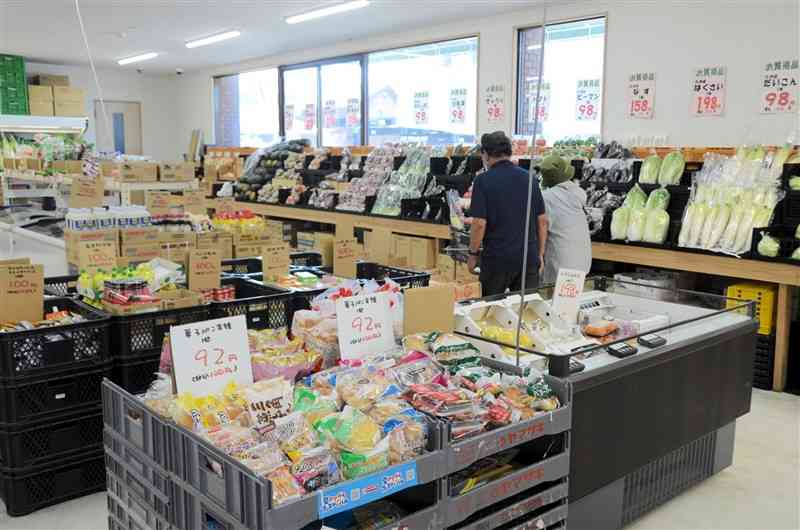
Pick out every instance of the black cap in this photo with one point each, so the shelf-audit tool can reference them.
(496, 144)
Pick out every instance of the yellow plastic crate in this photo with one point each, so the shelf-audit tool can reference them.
(765, 295)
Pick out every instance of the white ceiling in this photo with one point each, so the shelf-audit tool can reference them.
(48, 30)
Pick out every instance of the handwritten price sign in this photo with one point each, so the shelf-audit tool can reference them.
(458, 105)
(495, 100)
(353, 112)
(310, 117)
(288, 117)
(779, 87)
(587, 100)
(364, 325)
(569, 286)
(421, 107)
(210, 354)
(97, 255)
(329, 113)
(641, 95)
(708, 92)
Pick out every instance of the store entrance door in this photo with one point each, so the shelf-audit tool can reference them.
(123, 132)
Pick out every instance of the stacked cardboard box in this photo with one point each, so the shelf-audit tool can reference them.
(456, 273)
(250, 245)
(69, 101)
(321, 242)
(40, 100)
(176, 171)
(221, 241)
(138, 172)
(415, 252)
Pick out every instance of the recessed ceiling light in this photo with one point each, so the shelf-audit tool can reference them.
(137, 58)
(325, 11)
(212, 39)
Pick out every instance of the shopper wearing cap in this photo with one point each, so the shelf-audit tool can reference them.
(568, 243)
(500, 200)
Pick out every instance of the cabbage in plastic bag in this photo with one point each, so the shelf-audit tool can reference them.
(636, 222)
(744, 234)
(729, 235)
(698, 221)
(658, 199)
(619, 223)
(768, 246)
(796, 254)
(648, 174)
(636, 198)
(716, 226)
(686, 227)
(656, 226)
(671, 169)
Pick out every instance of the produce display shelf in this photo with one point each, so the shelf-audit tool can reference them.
(111, 184)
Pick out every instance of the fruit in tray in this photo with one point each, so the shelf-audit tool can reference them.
(301, 280)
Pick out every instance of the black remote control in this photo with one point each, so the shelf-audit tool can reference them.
(621, 350)
(652, 340)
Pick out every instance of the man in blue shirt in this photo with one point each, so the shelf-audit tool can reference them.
(499, 203)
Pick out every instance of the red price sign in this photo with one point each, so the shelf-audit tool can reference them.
(587, 99)
(707, 104)
(364, 325)
(330, 114)
(310, 117)
(708, 91)
(587, 112)
(421, 108)
(779, 86)
(458, 103)
(641, 95)
(778, 101)
(353, 112)
(218, 358)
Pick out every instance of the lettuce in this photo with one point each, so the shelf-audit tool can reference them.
(744, 234)
(797, 232)
(636, 222)
(768, 246)
(688, 216)
(656, 226)
(717, 226)
(635, 198)
(648, 174)
(796, 254)
(658, 199)
(794, 183)
(619, 223)
(671, 169)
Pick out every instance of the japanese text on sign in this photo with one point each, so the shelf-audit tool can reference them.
(94, 256)
(458, 105)
(569, 286)
(538, 107)
(310, 117)
(708, 91)
(210, 354)
(288, 117)
(495, 100)
(329, 114)
(344, 497)
(587, 100)
(364, 325)
(641, 95)
(421, 107)
(779, 87)
(353, 112)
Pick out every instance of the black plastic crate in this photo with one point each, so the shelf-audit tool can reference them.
(764, 361)
(27, 491)
(678, 199)
(38, 398)
(40, 352)
(136, 375)
(368, 270)
(264, 306)
(786, 241)
(791, 207)
(23, 445)
(254, 266)
(61, 285)
(141, 336)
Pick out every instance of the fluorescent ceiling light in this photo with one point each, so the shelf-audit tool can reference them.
(325, 11)
(212, 39)
(137, 58)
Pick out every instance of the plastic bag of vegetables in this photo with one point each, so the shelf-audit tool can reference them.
(636, 222)
(671, 169)
(656, 226)
(796, 254)
(714, 226)
(619, 223)
(768, 246)
(648, 174)
(636, 198)
(658, 199)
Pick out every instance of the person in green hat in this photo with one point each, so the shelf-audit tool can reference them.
(569, 245)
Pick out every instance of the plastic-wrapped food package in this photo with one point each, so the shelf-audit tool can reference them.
(636, 222)
(648, 174)
(363, 387)
(422, 371)
(263, 458)
(619, 223)
(408, 182)
(267, 401)
(358, 463)
(635, 198)
(314, 468)
(233, 440)
(448, 347)
(313, 404)
(656, 226)
(658, 199)
(671, 169)
(350, 429)
(768, 246)
(284, 486)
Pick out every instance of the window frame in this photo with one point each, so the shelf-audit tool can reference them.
(544, 24)
(249, 71)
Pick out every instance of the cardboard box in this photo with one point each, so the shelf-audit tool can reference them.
(210, 171)
(132, 309)
(176, 171)
(109, 168)
(43, 93)
(135, 236)
(50, 80)
(34, 164)
(249, 250)
(450, 269)
(261, 238)
(401, 247)
(66, 94)
(422, 252)
(141, 251)
(70, 109)
(139, 172)
(464, 290)
(222, 241)
(73, 240)
(180, 299)
(176, 252)
(323, 243)
(178, 237)
(41, 107)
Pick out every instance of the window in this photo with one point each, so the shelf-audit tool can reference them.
(246, 109)
(322, 102)
(570, 96)
(424, 94)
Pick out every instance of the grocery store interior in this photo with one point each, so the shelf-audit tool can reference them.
(397, 264)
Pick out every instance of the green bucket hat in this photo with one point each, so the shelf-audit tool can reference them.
(555, 170)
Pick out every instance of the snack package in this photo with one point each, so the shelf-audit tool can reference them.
(158, 396)
(315, 468)
(545, 397)
(350, 429)
(263, 458)
(233, 440)
(363, 386)
(165, 364)
(358, 463)
(600, 328)
(448, 347)
(202, 413)
(422, 371)
(292, 434)
(407, 437)
(284, 486)
(268, 400)
(313, 404)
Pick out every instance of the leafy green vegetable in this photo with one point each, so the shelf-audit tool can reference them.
(794, 183)
(671, 169)
(619, 223)
(797, 232)
(636, 198)
(688, 219)
(796, 254)
(636, 222)
(768, 246)
(656, 226)
(649, 171)
(716, 226)
(658, 199)
(701, 212)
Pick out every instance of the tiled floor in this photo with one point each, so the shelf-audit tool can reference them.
(761, 491)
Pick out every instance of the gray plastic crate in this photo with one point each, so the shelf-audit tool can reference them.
(138, 426)
(138, 475)
(519, 509)
(464, 453)
(548, 520)
(244, 498)
(129, 510)
(457, 509)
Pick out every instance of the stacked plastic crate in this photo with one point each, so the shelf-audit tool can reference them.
(51, 422)
(13, 85)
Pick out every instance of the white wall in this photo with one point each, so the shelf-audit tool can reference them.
(157, 95)
(670, 37)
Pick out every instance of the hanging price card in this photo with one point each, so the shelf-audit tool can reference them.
(495, 101)
(779, 87)
(364, 325)
(708, 92)
(288, 117)
(569, 286)
(329, 114)
(21, 292)
(310, 117)
(458, 105)
(587, 100)
(204, 269)
(353, 112)
(641, 95)
(421, 107)
(539, 108)
(208, 355)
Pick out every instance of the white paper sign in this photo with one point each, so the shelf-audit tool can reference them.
(779, 83)
(364, 325)
(569, 287)
(310, 117)
(540, 108)
(421, 107)
(458, 105)
(329, 114)
(642, 95)
(208, 355)
(587, 100)
(708, 92)
(288, 117)
(353, 112)
(495, 100)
